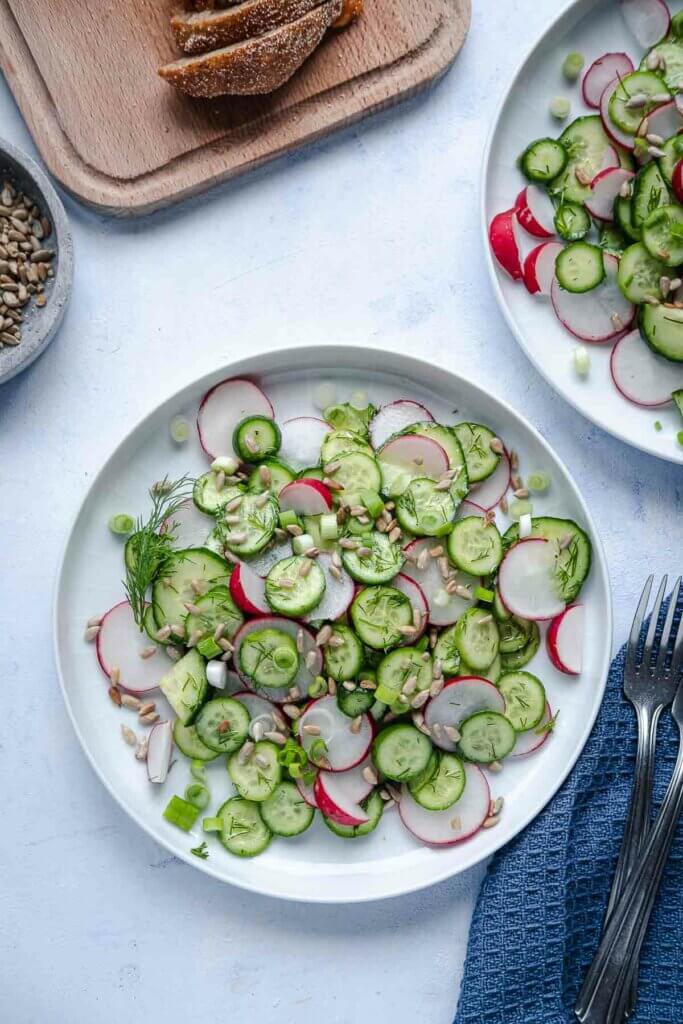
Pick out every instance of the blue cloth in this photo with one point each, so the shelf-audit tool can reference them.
(538, 920)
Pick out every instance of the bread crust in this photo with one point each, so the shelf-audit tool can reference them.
(199, 32)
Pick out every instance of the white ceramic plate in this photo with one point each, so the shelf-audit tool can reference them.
(317, 866)
(591, 28)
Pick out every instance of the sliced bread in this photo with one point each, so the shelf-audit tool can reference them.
(209, 30)
(254, 66)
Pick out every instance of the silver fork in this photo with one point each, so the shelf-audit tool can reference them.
(606, 992)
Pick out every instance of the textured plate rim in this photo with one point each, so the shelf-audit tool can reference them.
(410, 368)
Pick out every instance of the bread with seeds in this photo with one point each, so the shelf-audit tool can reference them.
(253, 66)
(197, 32)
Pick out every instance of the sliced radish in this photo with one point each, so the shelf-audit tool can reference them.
(345, 749)
(532, 739)
(306, 497)
(444, 608)
(339, 794)
(159, 751)
(526, 580)
(469, 508)
(489, 492)
(308, 791)
(602, 71)
(564, 640)
(260, 710)
(339, 593)
(305, 675)
(677, 180)
(605, 188)
(222, 408)
(120, 645)
(598, 315)
(189, 526)
(460, 698)
(266, 559)
(535, 212)
(416, 455)
(621, 138)
(415, 594)
(462, 820)
(505, 243)
(647, 20)
(395, 417)
(248, 590)
(665, 120)
(642, 376)
(610, 158)
(233, 683)
(302, 438)
(539, 267)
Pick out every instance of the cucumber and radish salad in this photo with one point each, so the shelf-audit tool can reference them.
(597, 227)
(341, 615)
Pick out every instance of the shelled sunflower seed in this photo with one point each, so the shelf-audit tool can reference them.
(25, 260)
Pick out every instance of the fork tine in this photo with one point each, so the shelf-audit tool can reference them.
(650, 641)
(677, 657)
(668, 626)
(634, 637)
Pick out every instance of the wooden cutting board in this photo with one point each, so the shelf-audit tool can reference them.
(122, 140)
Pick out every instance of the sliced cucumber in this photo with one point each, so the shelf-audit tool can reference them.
(670, 52)
(514, 635)
(639, 273)
(448, 652)
(223, 724)
(612, 239)
(342, 442)
(185, 686)
(152, 630)
(380, 565)
(518, 659)
(573, 546)
(217, 608)
(256, 777)
(279, 475)
(580, 267)
(477, 637)
(586, 144)
(678, 399)
(649, 193)
(175, 589)
(188, 743)
(486, 737)
(295, 586)
(357, 472)
(378, 613)
(445, 786)
(492, 673)
(343, 660)
(256, 438)
(543, 160)
(373, 807)
(524, 699)
(662, 235)
(244, 831)
(475, 441)
(208, 498)
(394, 671)
(256, 525)
(446, 437)
(285, 811)
(475, 546)
(673, 151)
(572, 221)
(269, 657)
(645, 83)
(355, 702)
(662, 328)
(347, 417)
(623, 212)
(401, 752)
(424, 510)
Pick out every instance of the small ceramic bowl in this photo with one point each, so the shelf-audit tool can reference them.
(40, 324)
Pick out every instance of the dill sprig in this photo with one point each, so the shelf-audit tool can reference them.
(153, 550)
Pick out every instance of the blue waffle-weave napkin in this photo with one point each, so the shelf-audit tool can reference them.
(538, 919)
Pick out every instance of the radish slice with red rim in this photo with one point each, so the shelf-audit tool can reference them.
(306, 497)
(462, 820)
(505, 243)
(602, 71)
(493, 489)
(301, 634)
(460, 699)
(616, 134)
(527, 580)
(532, 739)
(647, 20)
(223, 407)
(302, 438)
(605, 188)
(345, 749)
(415, 594)
(470, 508)
(444, 608)
(665, 120)
(642, 376)
(248, 590)
(394, 417)
(339, 593)
(416, 456)
(539, 268)
(597, 315)
(677, 182)
(535, 212)
(159, 751)
(260, 710)
(565, 638)
(120, 645)
(308, 791)
(339, 794)
(189, 526)
(266, 559)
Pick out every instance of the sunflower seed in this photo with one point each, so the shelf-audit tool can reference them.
(235, 503)
(456, 823)
(495, 766)
(436, 687)
(656, 151)
(409, 686)
(323, 636)
(129, 736)
(311, 730)
(348, 685)
(311, 660)
(115, 695)
(356, 724)
(364, 552)
(150, 719)
(423, 558)
(420, 700)
(291, 710)
(452, 733)
(257, 730)
(407, 630)
(141, 750)
(348, 544)
(246, 751)
(265, 475)
(491, 822)
(294, 530)
(91, 633)
(276, 737)
(368, 684)
(147, 708)
(129, 701)
(115, 675)
(335, 572)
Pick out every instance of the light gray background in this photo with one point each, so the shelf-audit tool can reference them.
(372, 237)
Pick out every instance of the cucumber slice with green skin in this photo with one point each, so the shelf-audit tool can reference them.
(543, 160)
(646, 83)
(255, 527)
(394, 671)
(475, 441)
(448, 440)
(425, 511)
(285, 811)
(207, 498)
(573, 546)
(500, 612)
(342, 442)
(662, 235)
(345, 660)
(524, 699)
(477, 637)
(586, 144)
(673, 151)
(383, 562)
(649, 193)
(492, 673)
(475, 546)
(355, 702)
(289, 591)
(378, 613)
(623, 213)
(518, 659)
(444, 787)
(280, 475)
(356, 472)
(430, 771)
(257, 777)
(185, 686)
(255, 438)
(662, 328)
(269, 657)
(312, 528)
(188, 743)
(152, 630)
(671, 52)
(401, 752)
(223, 724)
(373, 806)
(514, 635)
(217, 608)
(244, 831)
(174, 590)
(612, 240)
(580, 267)
(312, 473)
(678, 399)
(572, 221)
(639, 273)
(448, 652)
(486, 737)
(347, 417)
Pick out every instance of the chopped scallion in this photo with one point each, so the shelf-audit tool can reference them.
(573, 65)
(482, 594)
(538, 482)
(197, 795)
(181, 813)
(121, 524)
(179, 429)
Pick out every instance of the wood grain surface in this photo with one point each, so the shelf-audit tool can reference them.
(120, 139)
